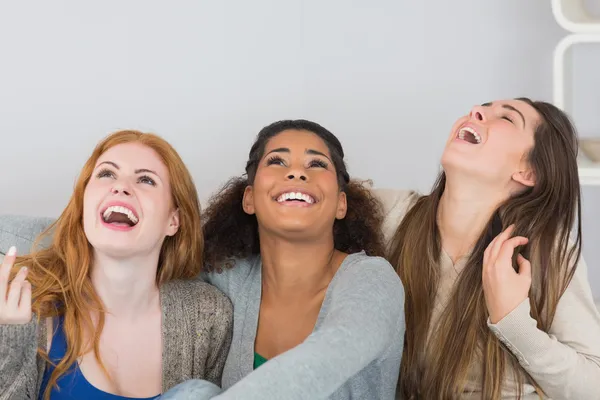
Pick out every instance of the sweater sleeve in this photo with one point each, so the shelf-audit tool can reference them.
(18, 361)
(565, 362)
(363, 318)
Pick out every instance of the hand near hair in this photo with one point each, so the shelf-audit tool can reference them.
(15, 299)
(503, 287)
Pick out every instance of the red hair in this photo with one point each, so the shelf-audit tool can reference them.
(60, 273)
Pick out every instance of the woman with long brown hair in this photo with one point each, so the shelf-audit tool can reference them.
(497, 297)
(110, 310)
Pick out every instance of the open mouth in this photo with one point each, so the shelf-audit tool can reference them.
(119, 216)
(469, 135)
(295, 197)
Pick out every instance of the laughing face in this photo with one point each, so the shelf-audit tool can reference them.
(492, 143)
(127, 206)
(295, 190)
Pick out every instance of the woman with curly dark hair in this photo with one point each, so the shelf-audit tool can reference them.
(296, 245)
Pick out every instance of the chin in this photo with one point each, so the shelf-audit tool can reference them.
(292, 228)
(450, 162)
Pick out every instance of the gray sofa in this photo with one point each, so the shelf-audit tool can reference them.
(21, 231)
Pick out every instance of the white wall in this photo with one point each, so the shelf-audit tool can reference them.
(388, 77)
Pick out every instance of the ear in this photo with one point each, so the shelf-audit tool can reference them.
(525, 177)
(342, 206)
(248, 200)
(173, 223)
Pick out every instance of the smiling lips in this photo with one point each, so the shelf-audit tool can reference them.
(119, 217)
(293, 198)
(468, 135)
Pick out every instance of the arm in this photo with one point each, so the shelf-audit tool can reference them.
(18, 333)
(220, 339)
(230, 280)
(565, 362)
(364, 318)
(18, 361)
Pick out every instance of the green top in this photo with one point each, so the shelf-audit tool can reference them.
(259, 360)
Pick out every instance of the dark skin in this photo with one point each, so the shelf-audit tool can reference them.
(297, 247)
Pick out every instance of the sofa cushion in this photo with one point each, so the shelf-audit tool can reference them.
(21, 231)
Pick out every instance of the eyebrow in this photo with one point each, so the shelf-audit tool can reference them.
(508, 107)
(307, 151)
(137, 171)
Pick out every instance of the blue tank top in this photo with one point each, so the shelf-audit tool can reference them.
(72, 384)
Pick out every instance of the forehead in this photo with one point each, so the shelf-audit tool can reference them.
(531, 115)
(134, 155)
(297, 140)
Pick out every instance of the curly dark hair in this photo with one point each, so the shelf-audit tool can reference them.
(230, 233)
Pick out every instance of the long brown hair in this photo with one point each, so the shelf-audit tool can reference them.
(545, 213)
(60, 273)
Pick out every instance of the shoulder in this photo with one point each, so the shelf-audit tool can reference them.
(396, 203)
(579, 286)
(374, 275)
(196, 297)
(232, 275)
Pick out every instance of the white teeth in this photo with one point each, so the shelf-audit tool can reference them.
(295, 196)
(122, 210)
(461, 134)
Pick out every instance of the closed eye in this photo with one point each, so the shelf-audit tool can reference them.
(147, 180)
(317, 163)
(508, 119)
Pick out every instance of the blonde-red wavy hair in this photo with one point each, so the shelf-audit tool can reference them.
(60, 273)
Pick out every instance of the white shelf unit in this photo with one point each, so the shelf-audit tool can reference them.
(572, 16)
(589, 172)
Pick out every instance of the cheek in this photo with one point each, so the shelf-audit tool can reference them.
(90, 199)
(328, 181)
(515, 150)
(155, 203)
(264, 180)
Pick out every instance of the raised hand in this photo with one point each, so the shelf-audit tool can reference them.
(503, 287)
(15, 298)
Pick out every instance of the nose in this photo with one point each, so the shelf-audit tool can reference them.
(478, 113)
(120, 188)
(296, 174)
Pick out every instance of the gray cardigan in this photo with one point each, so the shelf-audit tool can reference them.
(353, 352)
(196, 334)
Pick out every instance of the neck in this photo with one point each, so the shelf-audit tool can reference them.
(292, 268)
(464, 211)
(127, 288)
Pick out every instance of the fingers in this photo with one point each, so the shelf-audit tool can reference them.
(14, 293)
(25, 303)
(509, 246)
(5, 268)
(499, 242)
(524, 266)
(491, 252)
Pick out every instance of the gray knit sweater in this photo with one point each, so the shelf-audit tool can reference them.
(353, 352)
(196, 334)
